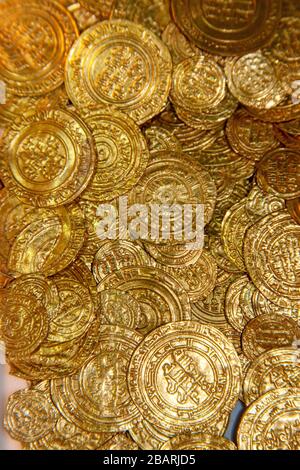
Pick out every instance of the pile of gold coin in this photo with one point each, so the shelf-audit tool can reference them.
(146, 344)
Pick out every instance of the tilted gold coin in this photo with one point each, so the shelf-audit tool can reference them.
(161, 297)
(293, 206)
(262, 305)
(184, 376)
(179, 46)
(76, 312)
(42, 32)
(276, 368)
(24, 322)
(279, 173)
(233, 308)
(121, 150)
(234, 227)
(48, 159)
(96, 398)
(198, 83)
(271, 251)
(198, 442)
(30, 415)
(271, 422)
(253, 81)
(141, 66)
(249, 136)
(119, 308)
(154, 15)
(116, 254)
(266, 332)
(102, 8)
(49, 247)
(227, 27)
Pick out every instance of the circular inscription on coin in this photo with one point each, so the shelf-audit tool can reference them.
(29, 415)
(96, 398)
(227, 27)
(161, 297)
(268, 331)
(198, 442)
(184, 375)
(122, 154)
(48, 159)
(42, 33)
(198, 83)
(271, 422)
(249, 136)
(259, 204)
(119, 308)
(23, 322)
(272, 258)
(279, 173)
(121, 64)
(277, 368)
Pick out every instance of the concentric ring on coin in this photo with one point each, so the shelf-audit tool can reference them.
(271, 422)
(198, 83)
(161, 297)
(122, 154)
(279, 173)
(49, 247)
(276, 368)
(259, 203)
(48, 159)
(141, 66)
(116, 254)
(249, 136)
(24, 322)
(173, 256)
(184, 375)
(97, 399)
(29, 415)
(271, 249)
(253, 81)
(268, 331)
(198, 442)
(42, 32)
(227, 28)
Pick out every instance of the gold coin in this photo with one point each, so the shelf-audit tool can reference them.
(119, 441)
(160, 139)
(278, 172)
(259, 204)
(76, 312)
(184, 376)
(287, 140)
(173, 256)
(161, 297)
(101, 8)
(249, 136)
(234, 227)
(291, 127)
(39, 286)
(271, 250)
(172, 178)
(97, 399)
(276, 368)
(24, 322)
(198, 83)
(148, 436)
(141, 63)
(262, 305)
(271, 422)
(154, 15)
(266, 332)
(49, 247)
(287, 110)
(180, 47)
(114, 255)
(217, 249)
(122, 154)
(199, 279)
(253, 81)
(30, 415)
(293, 206)
(198, 442)
(42, 33)
(233, 308)
(119, 308)
(227, 28)
(48, 159)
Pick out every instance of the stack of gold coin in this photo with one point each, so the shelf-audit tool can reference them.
(148, 342)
